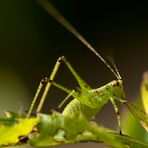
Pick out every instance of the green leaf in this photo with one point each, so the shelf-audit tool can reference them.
(132, 127)
(144, 91)
(11, 128)
(56, 129)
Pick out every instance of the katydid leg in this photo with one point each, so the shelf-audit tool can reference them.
(36, 97)
(80, 81)
(118, 114)
(48, 85)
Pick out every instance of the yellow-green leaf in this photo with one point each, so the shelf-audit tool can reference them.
(10, 133)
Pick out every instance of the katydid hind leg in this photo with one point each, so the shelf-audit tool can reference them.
(48, 85)
(80, 81)
(50, 80)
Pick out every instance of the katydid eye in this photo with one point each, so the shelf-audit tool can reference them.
(116, 84)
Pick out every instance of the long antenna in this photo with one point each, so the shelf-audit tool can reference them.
(114, 66)
(56, 14)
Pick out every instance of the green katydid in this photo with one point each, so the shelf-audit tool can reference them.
(87, 100)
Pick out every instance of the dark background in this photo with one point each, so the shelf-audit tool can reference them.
(31, 41)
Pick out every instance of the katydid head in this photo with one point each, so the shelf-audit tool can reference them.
(116, 90)
(100, 96)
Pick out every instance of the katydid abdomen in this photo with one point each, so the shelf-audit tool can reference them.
(76, 107)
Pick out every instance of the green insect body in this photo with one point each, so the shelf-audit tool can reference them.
(90, 101)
